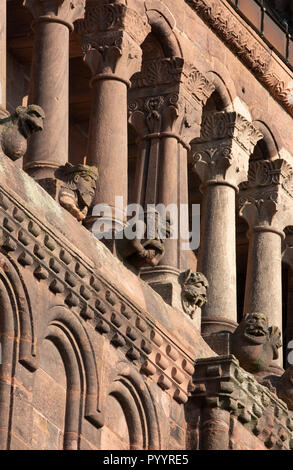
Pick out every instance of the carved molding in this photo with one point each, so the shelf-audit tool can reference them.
(71, 277)
(243, 43)
(222, 152)
(219, 382)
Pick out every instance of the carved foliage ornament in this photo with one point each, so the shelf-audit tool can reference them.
(225, 125)
(267, 173)
(174, 71)
(113, 17)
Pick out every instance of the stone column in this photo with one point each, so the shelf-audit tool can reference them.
(266, 204)
(220, 159)
(287, 258)
(53, 21)
(3, 53)
(112, 35)
(165, 123)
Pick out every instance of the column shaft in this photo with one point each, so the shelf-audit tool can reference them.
(50, 75)
(218, 253)
(263, 292)
(168, 193)
(107, 147)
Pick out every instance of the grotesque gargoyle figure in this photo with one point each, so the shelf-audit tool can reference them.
(194, 292)
(255, 343)
(78, 188)
(16, 128)
(147, 249)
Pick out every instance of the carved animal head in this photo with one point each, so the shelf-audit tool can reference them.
(30, 119)
(255, 343)
(17, 127)
(82, 179)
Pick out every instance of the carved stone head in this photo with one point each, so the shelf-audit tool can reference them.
(82, 180)
(194, 291)
(30, 119)
(16, 128)
(147, 248)
(255, 343)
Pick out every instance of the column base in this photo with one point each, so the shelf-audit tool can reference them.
(165, 280)
(217, 332)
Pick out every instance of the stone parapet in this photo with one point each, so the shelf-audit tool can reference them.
(219, 383)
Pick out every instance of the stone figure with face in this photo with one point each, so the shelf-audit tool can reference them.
(194, 292)
(16, 128)
(255, 343)
(149, 248)
(77, 193)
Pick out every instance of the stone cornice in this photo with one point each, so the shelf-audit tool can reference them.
(221, 383)
(69, 275)
(250, 49)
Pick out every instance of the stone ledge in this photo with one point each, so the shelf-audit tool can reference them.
(95, 285)
(220, 382)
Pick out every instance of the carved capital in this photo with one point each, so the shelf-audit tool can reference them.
(178, 107)
(112, 35)
(60, 10)
(113, 17)
(266, 199)
(168, 115)
(112, 53)
(174, 71)
(223, 149)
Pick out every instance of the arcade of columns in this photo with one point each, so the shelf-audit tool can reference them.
(163, 100)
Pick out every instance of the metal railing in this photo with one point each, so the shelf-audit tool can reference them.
(272, 28)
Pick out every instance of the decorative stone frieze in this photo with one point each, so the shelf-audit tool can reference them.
(71, 277)
(220, 384)
(220, 159)
(227, 24)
